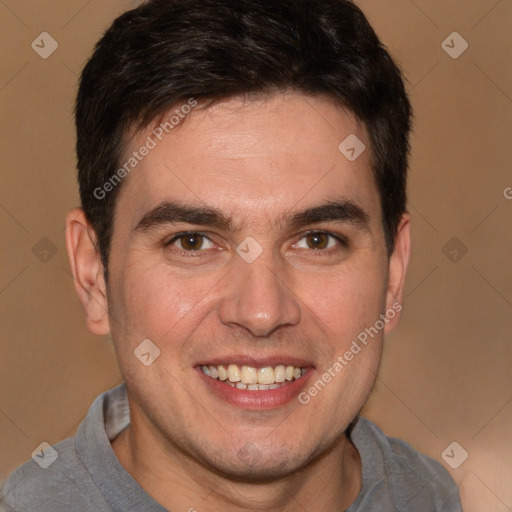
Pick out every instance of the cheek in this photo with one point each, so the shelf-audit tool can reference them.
(153, 302)
(347, 300)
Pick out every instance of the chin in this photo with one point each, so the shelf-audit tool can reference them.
(254, 465)
(260, 470)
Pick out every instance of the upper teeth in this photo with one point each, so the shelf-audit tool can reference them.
(251, 375)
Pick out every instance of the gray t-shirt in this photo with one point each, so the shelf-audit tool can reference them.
(86, 476)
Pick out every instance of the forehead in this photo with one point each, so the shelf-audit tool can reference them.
(251, 158)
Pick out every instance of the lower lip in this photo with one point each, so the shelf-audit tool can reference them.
(256, 400)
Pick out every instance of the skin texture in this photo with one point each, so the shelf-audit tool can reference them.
(258, 162)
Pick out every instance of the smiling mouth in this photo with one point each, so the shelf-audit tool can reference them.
(251, 378)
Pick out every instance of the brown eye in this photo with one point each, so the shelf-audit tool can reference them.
(317, 240)
(320, 240)
(191, 242)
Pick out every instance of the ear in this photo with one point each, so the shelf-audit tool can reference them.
(398, 263)
(87, 270)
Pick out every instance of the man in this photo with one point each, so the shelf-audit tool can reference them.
(244, 238)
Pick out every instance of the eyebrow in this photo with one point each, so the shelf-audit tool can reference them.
(173, 213)
(333, 211)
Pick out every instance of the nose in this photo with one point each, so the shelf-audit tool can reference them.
(259, 299)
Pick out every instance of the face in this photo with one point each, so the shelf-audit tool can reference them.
(248, 248)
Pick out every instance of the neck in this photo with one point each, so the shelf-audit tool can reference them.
(330, 482)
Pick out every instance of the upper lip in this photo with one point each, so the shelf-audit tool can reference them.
(257, 362)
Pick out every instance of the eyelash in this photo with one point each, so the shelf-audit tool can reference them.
(317, 252)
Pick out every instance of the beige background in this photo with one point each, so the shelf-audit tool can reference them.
(446, 371)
